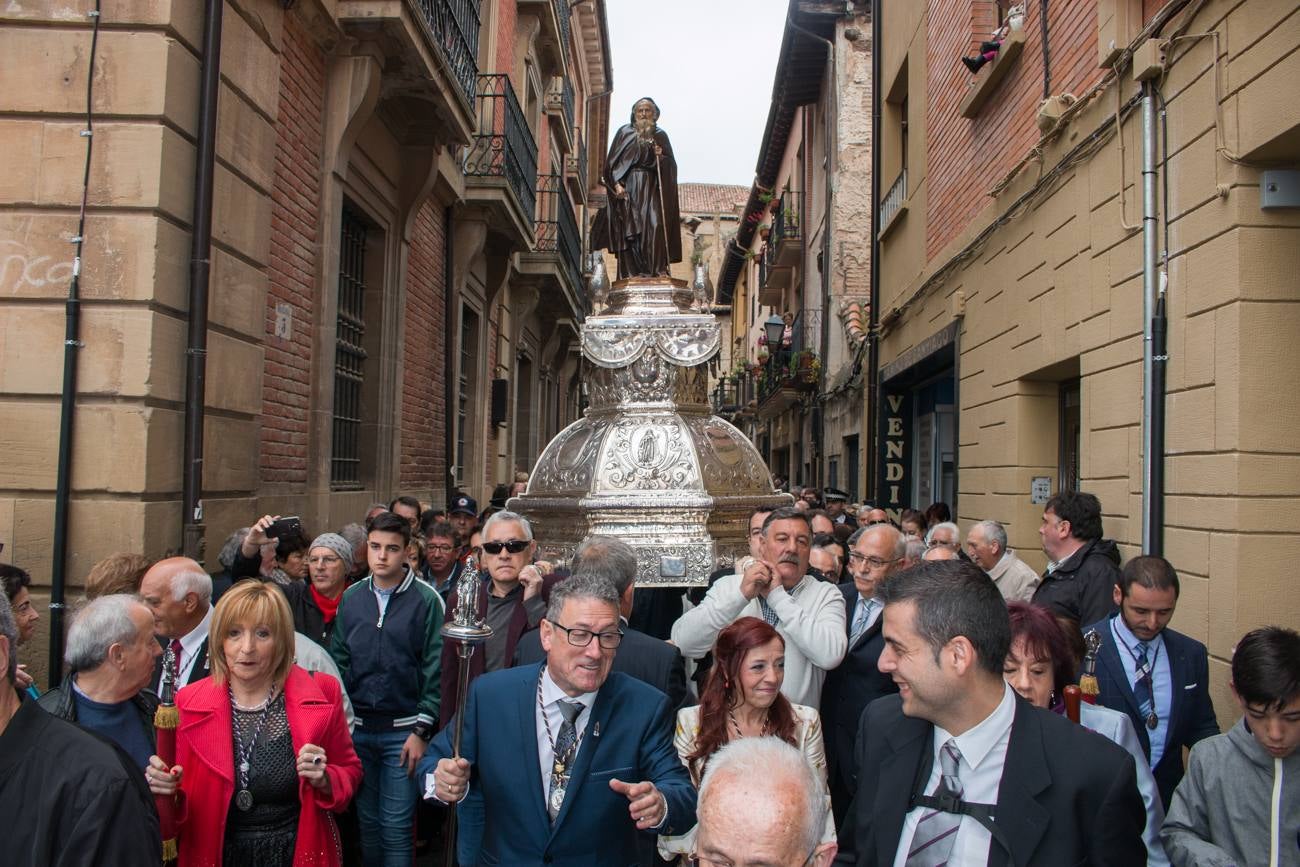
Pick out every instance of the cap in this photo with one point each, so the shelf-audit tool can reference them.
(463, 505)
(835, 494)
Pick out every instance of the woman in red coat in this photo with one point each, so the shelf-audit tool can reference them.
(263, 754)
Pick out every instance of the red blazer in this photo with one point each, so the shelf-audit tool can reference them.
(206, 755)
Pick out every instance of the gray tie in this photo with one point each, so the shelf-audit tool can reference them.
(862, 617)
(564, 750)
(935, 833)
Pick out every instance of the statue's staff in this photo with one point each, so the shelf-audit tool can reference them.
(468, 630)
(165, 720)
(663, 212)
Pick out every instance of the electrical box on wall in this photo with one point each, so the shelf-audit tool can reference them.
(500, 400)
(1279, 188)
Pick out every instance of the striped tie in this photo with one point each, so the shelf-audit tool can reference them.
(861, 619)
(935, 833)
(1143, 691)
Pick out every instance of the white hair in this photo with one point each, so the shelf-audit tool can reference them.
(772, 761)
(97, 627)
(945, 525)
(503, 517)
(994, 532)
(192, 581)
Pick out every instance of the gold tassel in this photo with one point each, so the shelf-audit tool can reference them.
(166, 717)
(1088, 685)
(168, 850)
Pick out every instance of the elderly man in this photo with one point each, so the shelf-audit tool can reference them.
(179, 594)
(943, 535)
(1084, 567)
(68, 797)
(510, 600)
(110, 655)
(761, 803)
(962, 770)
(939, 552)
(441, 566)
(569, 759)
(875, 553)
(776, 586)
(986, 543)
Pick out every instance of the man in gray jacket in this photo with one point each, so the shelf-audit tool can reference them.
(1239, 803)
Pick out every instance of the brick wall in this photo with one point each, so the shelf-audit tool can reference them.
(968, 156)
(507, 15)
(424, 405)
(295, 205)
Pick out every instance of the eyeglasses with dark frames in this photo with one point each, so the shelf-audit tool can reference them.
(514, 546)
(873, 562)
(582, 637)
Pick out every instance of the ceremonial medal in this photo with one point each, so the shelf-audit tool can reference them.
(244, 800)
(1152, 720)
(557, 794)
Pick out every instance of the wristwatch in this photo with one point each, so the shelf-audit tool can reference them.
(423, 731)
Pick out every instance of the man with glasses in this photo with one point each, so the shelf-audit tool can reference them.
(441, 564)
(944, 535)
(545, 745)
(761, 803)
(510, 599)
(875, 553)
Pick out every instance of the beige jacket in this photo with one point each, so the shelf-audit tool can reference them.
(1015, 579)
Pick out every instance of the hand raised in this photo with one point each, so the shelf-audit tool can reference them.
(757, 579)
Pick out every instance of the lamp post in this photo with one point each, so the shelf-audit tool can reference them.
(774, 329)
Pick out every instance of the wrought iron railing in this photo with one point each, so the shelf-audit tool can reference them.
(454, 25)
(562, 15)
(785, 222)
(793, 362)
(893, 200)
(566, 100)
(582, 162)
(763, 265)
(557, 226)
(503, 146)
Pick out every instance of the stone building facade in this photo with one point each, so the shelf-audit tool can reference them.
(400, 187)
(803, 252)
(1011, 283)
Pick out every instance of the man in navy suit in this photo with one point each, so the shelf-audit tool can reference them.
(875, 553)
(1157, 676)
(569, 759)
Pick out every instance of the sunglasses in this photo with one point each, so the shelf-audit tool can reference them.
(514, 546)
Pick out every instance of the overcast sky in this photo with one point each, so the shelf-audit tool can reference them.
(709, 65)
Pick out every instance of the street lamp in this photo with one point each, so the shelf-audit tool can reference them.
(774, 329)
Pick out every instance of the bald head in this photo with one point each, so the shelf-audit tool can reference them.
(178, 593)
(761, 803)
(940, 553)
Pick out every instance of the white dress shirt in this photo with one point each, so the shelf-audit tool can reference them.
(551, 697)
(983, 754)
(190, 644)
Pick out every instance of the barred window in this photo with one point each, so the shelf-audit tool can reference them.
(349, 354)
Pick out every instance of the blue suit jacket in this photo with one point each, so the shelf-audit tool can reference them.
(628, 737)
(1191, 712)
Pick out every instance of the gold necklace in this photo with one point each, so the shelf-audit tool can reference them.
(762, 733)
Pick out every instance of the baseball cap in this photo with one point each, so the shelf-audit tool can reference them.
(463, 505)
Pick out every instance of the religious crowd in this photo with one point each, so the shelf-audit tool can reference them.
(861, 688)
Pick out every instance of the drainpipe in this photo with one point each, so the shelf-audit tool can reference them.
(453, 331)
(873, 326)
(1153, 341)
(196, 352)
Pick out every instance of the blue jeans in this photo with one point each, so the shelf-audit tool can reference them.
(386, 801)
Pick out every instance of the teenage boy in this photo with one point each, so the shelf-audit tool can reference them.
(388, 645)
(1239, 803)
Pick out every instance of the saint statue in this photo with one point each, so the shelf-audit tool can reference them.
(640, 221)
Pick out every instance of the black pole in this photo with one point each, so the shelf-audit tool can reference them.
(873, 325)
(1159, 365)
(196, 352)
(67, 401)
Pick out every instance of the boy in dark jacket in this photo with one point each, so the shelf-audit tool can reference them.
(388, 645)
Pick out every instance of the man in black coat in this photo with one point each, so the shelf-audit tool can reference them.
(1086, 566)
(875, 553)
(1168, 697)
(957, 767)
(67, 796)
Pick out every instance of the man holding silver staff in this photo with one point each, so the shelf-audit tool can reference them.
(597, 764)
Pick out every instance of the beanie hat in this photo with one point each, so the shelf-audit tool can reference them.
(337, 544)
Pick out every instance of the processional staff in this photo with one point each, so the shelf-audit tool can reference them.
(165, 720)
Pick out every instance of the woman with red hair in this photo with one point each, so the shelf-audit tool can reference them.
(742, 698)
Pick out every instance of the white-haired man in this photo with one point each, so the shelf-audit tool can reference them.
(179, 594)
(944, 535)
(761, 803)
(110, 655)
(986, 544)
(68, 797)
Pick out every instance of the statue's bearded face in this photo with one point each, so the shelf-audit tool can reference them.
(643, 119)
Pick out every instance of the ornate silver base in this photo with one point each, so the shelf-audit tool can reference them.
(649, 463)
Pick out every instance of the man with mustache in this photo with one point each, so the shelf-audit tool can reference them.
(639, 222)
(776, 586)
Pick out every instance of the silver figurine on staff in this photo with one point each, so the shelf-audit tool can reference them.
(469, 629)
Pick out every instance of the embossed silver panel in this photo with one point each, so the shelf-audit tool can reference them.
(649, 463)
